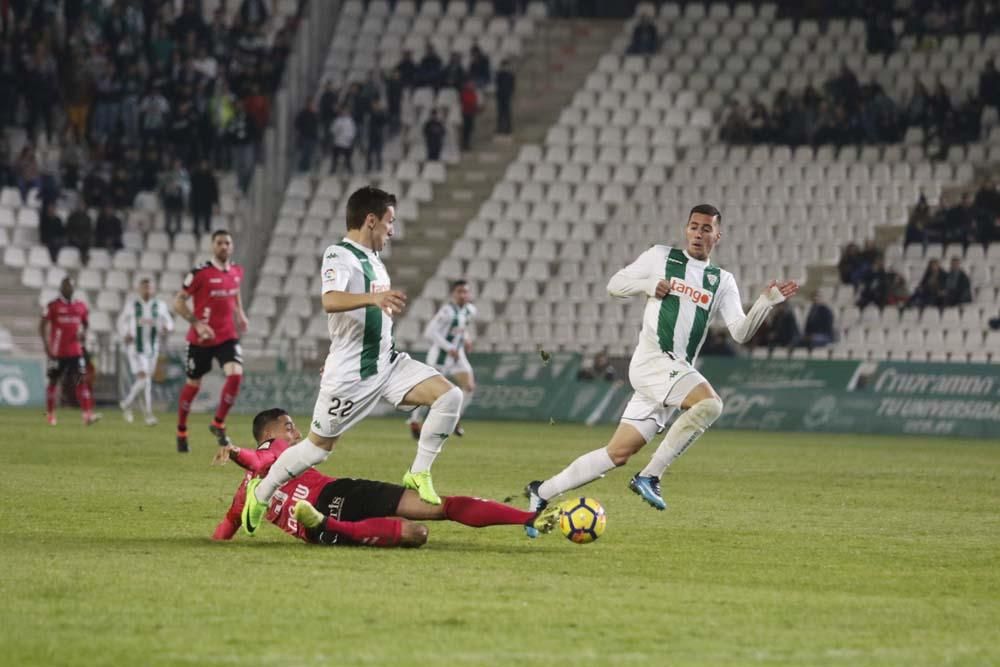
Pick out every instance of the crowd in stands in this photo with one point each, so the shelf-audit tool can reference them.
(362, 116)
(136, 96)
(964, 220)
(881, 286)
(845, 111)
(782, 327)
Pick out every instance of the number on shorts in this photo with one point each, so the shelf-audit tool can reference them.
(335, 408)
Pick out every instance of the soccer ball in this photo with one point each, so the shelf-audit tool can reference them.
(582, 520)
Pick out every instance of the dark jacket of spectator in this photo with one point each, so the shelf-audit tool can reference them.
(645, 40)
(505, 97)
(434, 132)
(875, 286)
(819, 324)
(958, 288)
(784, 330)
(51, 231)
(479, 67)
(80, 231)
(931, 290)
(109, 230)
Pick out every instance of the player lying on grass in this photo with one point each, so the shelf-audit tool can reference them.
(354, 511)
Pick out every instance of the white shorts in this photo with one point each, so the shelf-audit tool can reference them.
(341, 405)
(660, 379)
(452, 365)
(140, 363)
(647, 417)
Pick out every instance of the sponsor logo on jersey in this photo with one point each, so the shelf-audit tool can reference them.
(696, 295)
(215, 280)
(376, 288)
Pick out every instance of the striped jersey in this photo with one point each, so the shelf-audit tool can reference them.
(360, 339)
(448, 330)
(143, 321)
(678, 324)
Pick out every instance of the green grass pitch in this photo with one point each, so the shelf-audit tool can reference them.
(787, 549)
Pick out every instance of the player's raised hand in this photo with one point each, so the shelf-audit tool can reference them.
(204, 331)
(662, 289)
(391, 301)
(788, 288)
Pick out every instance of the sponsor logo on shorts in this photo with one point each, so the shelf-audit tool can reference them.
(696, 295)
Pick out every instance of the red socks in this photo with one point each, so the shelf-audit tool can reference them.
(188, 392)
(230, 390)
(477, 512)
(370, 532)
(51, 392)
(84, 398)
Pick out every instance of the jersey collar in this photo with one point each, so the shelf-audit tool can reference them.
(224, 269)
(364, 249)
(700, 263)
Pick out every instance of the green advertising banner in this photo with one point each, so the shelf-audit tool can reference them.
(859, 397)
(22, 382)
(764, 394)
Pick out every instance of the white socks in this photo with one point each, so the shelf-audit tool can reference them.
(585, 469)
(684, 431)
(147, 394)
(293, 462)
(439, 424)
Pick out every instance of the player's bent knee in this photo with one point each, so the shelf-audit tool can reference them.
(413, 535)
(706, 411)
(232, 368)
(450, 402)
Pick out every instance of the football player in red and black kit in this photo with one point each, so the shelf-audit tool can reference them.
(63, 328)
(353, 511)
(217, 319)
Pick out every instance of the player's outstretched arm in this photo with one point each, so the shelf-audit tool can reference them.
(638, 278)
(742, 327)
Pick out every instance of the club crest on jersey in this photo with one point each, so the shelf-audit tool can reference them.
(712, 279)
(696, 295)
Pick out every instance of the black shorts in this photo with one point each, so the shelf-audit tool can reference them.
(199, 358)
(73, 368)
(348, 499)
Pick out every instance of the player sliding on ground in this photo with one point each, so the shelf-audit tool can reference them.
(363, 365)
(684, 290)
(323, 510)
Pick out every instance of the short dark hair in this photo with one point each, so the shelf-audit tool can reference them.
(220, 232)
(706, 209)
(263, 419)
(365, 201)
(455, 284)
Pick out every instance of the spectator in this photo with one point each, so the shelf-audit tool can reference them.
(819, 323)
(931, 290)
(307, 135)
(957, 287)
(645, 40)
(470, 107)
(875, 286)
(434, 132)
(109, 230)
(204, 197)
(154, 111)
(479, 68)
(987, 204)
(994, 323)
(7, 176)
(959, 226)
(175, 184)
(429, 72)
(327, 111)
(600, 368)
(378, 119)
(41, 90)
(394, 100)
(96, 186)
(254, 13)
(989, 86)
(851, 265)
(407, 69)
(80, 230)
(899, 294)
(920, 220)
(453, 75)
(49, 188)
(344, 133)
(784, 330)
(27, 170)
(51, 232)
(242, 140)
(505, 97)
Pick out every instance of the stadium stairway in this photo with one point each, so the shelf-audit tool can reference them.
(553, 67)
(20, 313)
